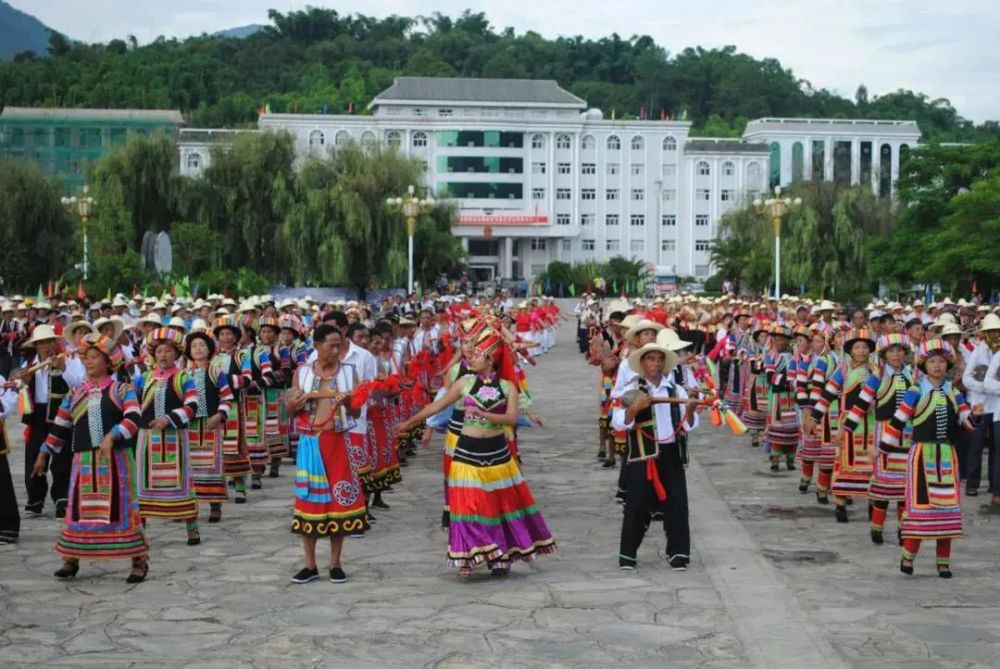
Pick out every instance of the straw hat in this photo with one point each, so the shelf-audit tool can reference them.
(990, 322)
(117, 322)
(670, 358)
(670, 340)
(640, 325)
(72, 328)
(41, 333)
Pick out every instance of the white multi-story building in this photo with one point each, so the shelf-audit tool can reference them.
(538, 177)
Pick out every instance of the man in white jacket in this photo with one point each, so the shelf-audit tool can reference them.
(983, 387)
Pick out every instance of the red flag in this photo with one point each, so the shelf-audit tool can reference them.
(48, 290)
(261, 110)
(975, 291)
(80, 293)
(350, 107)
(663, 114)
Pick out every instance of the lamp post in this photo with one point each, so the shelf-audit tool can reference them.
(82, 206)
(411, 206)
(777, 208)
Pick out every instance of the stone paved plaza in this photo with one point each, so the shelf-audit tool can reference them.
(774, 581)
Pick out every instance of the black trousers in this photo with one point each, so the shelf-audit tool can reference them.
(641, 502)
(985, 438)
(6, 364)
(10, 517)
(59, 465)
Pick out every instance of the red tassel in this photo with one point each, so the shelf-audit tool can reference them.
(652, 474)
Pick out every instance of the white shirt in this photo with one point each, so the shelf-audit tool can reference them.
(367, 369)
(977, 392)
(991, 384)
(8, 399)
(73, 375)
(661, 412)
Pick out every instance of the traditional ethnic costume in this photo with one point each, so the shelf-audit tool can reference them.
(102, 519)
(258, 376)
(809, 445)
(782, 432)
(214, 396)
(275, 416)
(821, 370)
(755, 402)
(235, 457)
(10, 517)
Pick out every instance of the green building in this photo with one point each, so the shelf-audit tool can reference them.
(63, 141)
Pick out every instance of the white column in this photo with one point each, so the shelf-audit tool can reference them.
(827, 159)
(807, 159)
(894, 166)
(465, 243)
(876, 164)
(786, 163)
(508, 258)
(855, 161)
(550, 191)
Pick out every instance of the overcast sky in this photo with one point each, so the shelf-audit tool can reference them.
(944, 49)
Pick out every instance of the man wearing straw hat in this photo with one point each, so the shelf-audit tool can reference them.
(654, 465)
(46, 387)
(985, 390)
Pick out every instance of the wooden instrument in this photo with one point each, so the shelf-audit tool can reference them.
(19, 374)
(630, 397)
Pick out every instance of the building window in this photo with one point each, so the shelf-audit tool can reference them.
(638, 220)
(538, 168)
(638, 194)
(638, 169)
(669, 170)
(669, 194)
(537, 193)
(562, 219)
(564, 168)
(753, 173)
(587, 219)
(562, 193)
(417, 111)
(368, 139)
(669, 144)
(613, 245)
(588, 194)
(638, 245)
(637, 143)
(668, 244)
(317, 138)
(611, 219)
(563, 142)
(611, 194)
(728, 169)
(701, 220)
(701, 194)
(668, 220)
(420, 138)
(394, 138)
(613, 169)
(537, 244)
(588, 168)
(342, 138)
(567, 244)
(586, 244)
(538, 141)
(614, 144)
(704, 169)
(446, 113)
(587, 143)
(726, 195)
(194, 161)
(702, 245)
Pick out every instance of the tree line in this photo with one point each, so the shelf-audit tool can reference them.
(324, 224)
(318, 60)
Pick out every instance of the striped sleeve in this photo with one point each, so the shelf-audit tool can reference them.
(131, 414)
(818, 380)
(266, 369)
(863, 404)
(893, 432)
(802, 382)
(225, 394)
(182, 416)
(60, 429)
(830, 393)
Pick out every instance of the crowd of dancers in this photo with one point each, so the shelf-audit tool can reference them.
(870, 403)
(140, 410)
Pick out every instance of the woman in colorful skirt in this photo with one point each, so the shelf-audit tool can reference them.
(470, 329)
(211, 381)
(258, 375)
(936, 411)
(492, 514)
(782, 432)
(328, 497)
(822, 368)
(385, 472)
(292, 352)
(169, 400)
(755, 403)
(275, 416)
(852, 470)
(885, 391)
(229, 359)
(98, 421)
(808, 446)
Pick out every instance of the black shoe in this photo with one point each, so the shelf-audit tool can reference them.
(194, 538)
(231, 483)
(970, 492)
(877, 537)
(790, 466)
(379, 504)
(255, 483)
(905, 568)
(357, 534)
(306, 575)
(241, 497)
(601, 455)
(841, 513)
(60, 509)
(803, 487)
(337, 575)
(500, 572)
(850, 501)
(822, 498)
(143, 567)
(775, 467)
(66, 572)
(608, 464)
(678, 564)
(944, 572)
(34, 509)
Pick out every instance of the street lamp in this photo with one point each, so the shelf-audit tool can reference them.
(82, 206)
(777, 208)
(411, 206)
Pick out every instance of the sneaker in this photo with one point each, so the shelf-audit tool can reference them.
(627, 567)
(306, 575)
(678, 564)
(971, 492)
(34, 509)
(608, 464)
(61, 509)
(337, 575)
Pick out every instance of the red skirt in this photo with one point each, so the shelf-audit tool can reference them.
(328, 493)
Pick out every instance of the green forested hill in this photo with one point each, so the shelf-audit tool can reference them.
(20, 32)
(317, 60)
